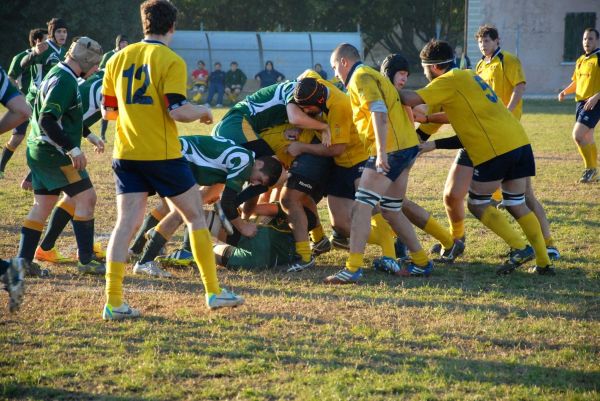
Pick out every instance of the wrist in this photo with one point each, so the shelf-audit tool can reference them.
(75, 152)
(426, 119)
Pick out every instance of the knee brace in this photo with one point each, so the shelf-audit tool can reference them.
(367, 197)
(510, 199)
(391, 204)
(478, 199)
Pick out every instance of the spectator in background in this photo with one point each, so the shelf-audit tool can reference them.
(216, 85)
(319, 69)
(269, 75)
(199, 81)
(458, 52)
(235, 79)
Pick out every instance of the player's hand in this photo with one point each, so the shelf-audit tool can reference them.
(248, 229)
(561, 96)
(326, 137)
(97, 142)
(294, 149)
(26, 184)
(78, 160)
(591, 103)
(39, 48)
(427, 146)
(207, 117)
(381, 164)
(420, 113)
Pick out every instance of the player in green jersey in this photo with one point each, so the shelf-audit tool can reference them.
(120, 43)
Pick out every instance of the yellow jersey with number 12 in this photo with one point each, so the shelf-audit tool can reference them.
(136, 81)
(484, 125)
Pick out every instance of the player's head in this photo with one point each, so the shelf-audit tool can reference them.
(87, 53)
(233, 65)
(266, 171)
(37, 35)
(437, 57)
(590, 39)
(57, 30)
(121, 42)
(488, 39)
(158, 17)
(311, 96)
(343, 59)
(395, 67)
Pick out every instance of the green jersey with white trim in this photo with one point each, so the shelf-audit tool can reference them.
(105, 57)
(91, 98)
(7, 89)
(266, 107)
(41, 66)
(58, 95)
(216, 160)
(20, 74)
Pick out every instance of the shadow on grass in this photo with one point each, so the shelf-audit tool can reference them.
(22, 391)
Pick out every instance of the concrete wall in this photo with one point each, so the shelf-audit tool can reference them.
(533, 29)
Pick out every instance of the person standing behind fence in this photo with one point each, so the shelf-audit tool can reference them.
(269, 76)
(216, 84)
(235, 79)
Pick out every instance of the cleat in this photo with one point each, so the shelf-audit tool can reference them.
(553, 252)
(589, 175)
(226, 299)
(449, 255)
(52, 256)
(178, 258)
(518, 257)
(150, 268)
(133, 257)
(435, 249)
(99, 252)
(413, 270)
(14, 283)
(121, 313)
(344, 276)
(544, 271)
(224, 220)
(386, 265)
(401, 250)
(92, 267)
(339, 242)
(35, 270)
(506, 268)
(298, 265)
(320, 247)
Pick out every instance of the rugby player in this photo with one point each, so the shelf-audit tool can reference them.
(496, 143)
(121, 42)
(144, 90)
(585, 84)
(390, 138)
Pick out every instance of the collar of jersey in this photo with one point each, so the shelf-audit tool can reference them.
(493, 55)
(68, 69)
(593, 52)
(53, 46)
(351, 72)
(153, 42)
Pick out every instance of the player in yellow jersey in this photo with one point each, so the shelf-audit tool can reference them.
(585, 84)
(496, 143)
(391, 142)
(144, 90)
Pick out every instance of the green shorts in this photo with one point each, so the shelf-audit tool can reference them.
(269, 248)
(53, 172)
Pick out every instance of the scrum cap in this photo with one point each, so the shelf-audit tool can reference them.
(309, 92)
(86, 52)
(392, 64)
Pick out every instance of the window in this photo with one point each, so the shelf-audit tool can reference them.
(575, 23)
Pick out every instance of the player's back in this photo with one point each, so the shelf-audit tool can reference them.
(138, 78)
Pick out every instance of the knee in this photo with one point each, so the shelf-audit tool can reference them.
(453, 198)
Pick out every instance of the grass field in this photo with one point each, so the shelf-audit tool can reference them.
(463, 334)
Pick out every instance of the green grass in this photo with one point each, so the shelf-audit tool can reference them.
(463, 334)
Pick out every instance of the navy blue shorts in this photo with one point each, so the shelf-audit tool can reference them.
(588, 118)
(309, 174)
(463, 159)
(517, 163)
(167, 178)
(341, 180)
(399, 161)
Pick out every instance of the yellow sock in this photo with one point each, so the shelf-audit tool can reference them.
(303, 249)
(549, 241)
(317, 234)
(531, 227)
(115, 271)
(355, 261)
(382, 235)
(589, 153)
(498, 223)
(419, 257)
(457, 229)
(497, 195)
(435, 229)
(201, 243)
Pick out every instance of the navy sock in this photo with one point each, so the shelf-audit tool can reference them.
(4, 265)
(29, 241)
(6, 155)
(140, 239)
(84, 235)
(153, 247)
(58, 221)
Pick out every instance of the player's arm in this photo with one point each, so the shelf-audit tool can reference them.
(185, 112)
(13, 100)
(380, 128)
(229, 205)
(516, 96)
(32, 56)
(301, 120)
(410, 98)
(570, 89)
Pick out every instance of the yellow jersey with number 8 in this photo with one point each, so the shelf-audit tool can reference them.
(135, 83)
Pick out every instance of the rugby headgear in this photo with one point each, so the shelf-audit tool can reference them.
(86, 52)
(309, 92)
(392, 64)
(119, 39)
(54, 24)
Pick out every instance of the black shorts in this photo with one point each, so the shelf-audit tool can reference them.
(72, 189)
(588, 118)
(260, 147)
(309, 174)
(341, 180)
(463, 159)
(518, 163)
(166, 177)
(399, 161)
(21, 129)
